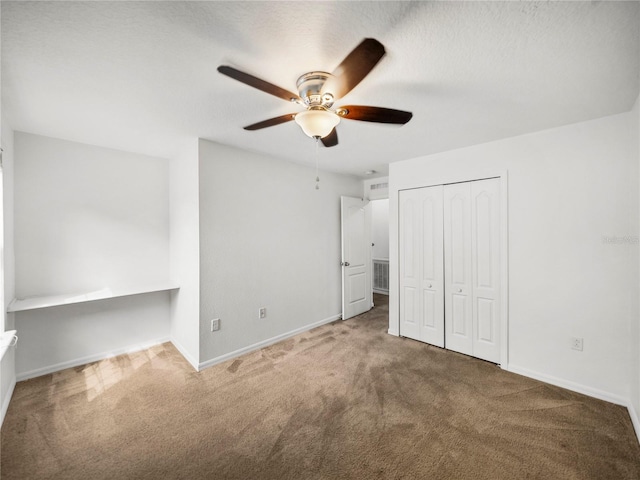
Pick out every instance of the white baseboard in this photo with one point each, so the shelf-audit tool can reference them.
(634, 419)
(569, 385)
(88, 359)
(183, 351)
(6, 400)
(393, 332)
(266, 343)
(585, 390)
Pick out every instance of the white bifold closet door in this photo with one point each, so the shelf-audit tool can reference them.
(421, 267)
(472, 268)
(449, 267)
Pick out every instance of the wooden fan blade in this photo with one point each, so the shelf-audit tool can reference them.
(258, 83)
(330, 140)
(374, 114)
(354, 68)
(271, 122)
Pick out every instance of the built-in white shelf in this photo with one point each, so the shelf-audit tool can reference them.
(33, 303)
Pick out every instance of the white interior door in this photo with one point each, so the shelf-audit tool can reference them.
(472, 268)
(457, 268)
(485, 260)
(421, 267)
(356, 257)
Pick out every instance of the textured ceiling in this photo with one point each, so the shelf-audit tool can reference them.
(141, 76)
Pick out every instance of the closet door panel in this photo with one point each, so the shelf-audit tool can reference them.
(459, 315)
(410, 259)
(457, 268)
(432, 278)
(429, 308)
(485, 320)
(421, 265)
(485, 228)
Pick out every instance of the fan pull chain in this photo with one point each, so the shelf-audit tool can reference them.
(317, 155)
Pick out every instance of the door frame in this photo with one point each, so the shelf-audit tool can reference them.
(394, 271)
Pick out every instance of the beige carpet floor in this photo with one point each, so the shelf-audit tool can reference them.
(343, 401)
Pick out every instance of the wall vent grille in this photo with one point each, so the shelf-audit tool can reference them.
(378, 186)
(381, 276)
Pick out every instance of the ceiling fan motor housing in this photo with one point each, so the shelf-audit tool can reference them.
(310, 89)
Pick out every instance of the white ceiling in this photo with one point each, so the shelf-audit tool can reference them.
(141, 76)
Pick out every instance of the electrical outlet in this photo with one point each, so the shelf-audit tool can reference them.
(577, 343)
(262, 313)
(215, 324)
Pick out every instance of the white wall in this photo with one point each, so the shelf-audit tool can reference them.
(380, 228)
(7, 364)
(88, 218)
(56, 338)
(634, 337)
(8, 221)
(185, 252)
(568, 189)
(267, 239)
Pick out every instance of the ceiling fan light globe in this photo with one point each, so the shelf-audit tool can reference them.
(317, 123)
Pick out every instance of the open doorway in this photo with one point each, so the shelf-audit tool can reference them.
(376, 191)
(380, 248)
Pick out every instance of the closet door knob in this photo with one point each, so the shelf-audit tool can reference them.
(459, 290)
(429, 286)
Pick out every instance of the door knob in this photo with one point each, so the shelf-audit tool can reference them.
(459, 290)
(429, 286)
(345, 264)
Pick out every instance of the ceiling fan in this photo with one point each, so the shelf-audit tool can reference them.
(317, 92)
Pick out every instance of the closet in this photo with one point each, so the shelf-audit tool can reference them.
(449, 263)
